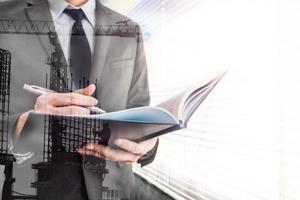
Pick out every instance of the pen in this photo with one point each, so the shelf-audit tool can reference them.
(37, 90)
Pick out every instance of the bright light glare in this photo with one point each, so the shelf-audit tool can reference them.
(243, 142)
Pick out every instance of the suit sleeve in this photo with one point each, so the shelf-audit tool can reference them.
(139, 91)
(138, 94)
(149, 156)
(25, 147)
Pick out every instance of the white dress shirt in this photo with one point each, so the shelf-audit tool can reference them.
(63, 23)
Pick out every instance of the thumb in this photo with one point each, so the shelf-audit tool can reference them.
(88, 91)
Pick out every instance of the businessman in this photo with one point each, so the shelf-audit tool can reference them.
(118, 64)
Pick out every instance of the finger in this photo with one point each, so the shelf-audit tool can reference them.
(130, 146)
(88, 91)
(69, 110)
(86, 152)
(149, 144)
(67, 99)
(108, 153)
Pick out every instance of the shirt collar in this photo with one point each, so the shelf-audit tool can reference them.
(58, 7)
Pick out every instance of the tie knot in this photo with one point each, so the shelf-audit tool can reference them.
(76, 14)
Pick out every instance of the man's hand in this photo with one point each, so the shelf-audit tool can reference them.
(60, 103)
(75, 103)
(131, 152)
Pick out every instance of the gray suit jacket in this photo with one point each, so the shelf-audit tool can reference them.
(119, 67)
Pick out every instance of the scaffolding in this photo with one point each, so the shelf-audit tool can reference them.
(5, 158)
(5, 62)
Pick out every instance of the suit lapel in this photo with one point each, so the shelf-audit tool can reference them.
(102, 43)
(38, 13)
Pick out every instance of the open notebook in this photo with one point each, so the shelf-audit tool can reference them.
(175, 111)
(143, 123)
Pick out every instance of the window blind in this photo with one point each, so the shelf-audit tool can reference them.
(243, 141)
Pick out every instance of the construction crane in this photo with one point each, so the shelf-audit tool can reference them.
(120, 29)
(62, 135)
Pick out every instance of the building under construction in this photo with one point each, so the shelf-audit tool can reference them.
(5, 158)
(62, 135)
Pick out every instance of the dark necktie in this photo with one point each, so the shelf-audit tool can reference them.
(80, 52)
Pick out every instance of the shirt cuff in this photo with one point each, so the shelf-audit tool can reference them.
(148, 158)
